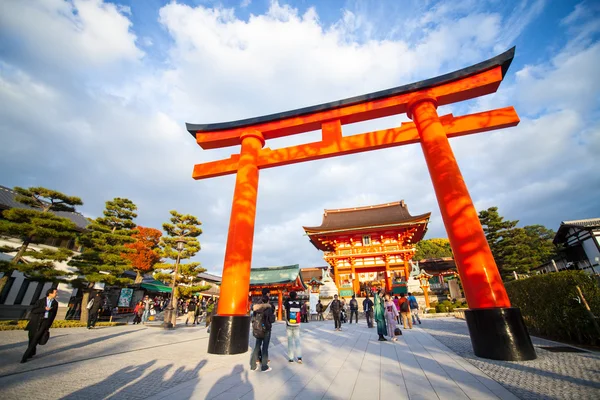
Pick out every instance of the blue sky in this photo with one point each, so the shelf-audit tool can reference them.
(96, 94)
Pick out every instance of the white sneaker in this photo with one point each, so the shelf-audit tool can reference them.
(268, 369)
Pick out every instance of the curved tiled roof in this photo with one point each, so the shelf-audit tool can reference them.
(365, 217)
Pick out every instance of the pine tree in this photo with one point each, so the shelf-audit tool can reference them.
(516, 249)
(34, 225)
(145, 251)
(187, 228)
(104, 244)
(433, 248)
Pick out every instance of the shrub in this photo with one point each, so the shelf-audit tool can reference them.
(21, 324)
(550, 308)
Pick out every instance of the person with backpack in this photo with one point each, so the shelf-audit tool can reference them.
(336, 311)
(293, 310)
(191, 312)
(354, 309)
(368, 310)
(405, 311)
(262, 322)
(414, 308)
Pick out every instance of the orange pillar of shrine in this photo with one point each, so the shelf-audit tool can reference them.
(279, 305)
(229, 329)
(490, 311)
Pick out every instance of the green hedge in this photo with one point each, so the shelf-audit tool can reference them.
(446, 306)
(21, 324)
(549, 306)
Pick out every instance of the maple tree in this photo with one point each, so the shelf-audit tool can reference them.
(145, 252)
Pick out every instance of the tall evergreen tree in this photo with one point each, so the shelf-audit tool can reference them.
(104, 244)
(36, 224)
(516, 249)
(187, 228)
(433, 248)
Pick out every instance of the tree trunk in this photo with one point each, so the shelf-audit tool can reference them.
(22, 249)
(84, 301)
(4, 279)
(139, 277)
(174, 299)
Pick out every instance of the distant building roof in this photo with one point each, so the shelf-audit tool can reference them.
(437, 265)
(210, 277)
(580, 224)
(345, 219)
(283, 276)
(8, 201)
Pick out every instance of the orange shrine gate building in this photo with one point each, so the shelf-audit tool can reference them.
(369, 246)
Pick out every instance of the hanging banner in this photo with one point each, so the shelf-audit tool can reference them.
(125, 297)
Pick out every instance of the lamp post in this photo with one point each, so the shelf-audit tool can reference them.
(171, 308)
(423, 278)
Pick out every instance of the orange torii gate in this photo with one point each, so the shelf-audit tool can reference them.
(497, 329)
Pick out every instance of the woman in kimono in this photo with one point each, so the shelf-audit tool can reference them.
(380, 317)
(391, 315)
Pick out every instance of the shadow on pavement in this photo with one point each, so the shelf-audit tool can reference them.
(83, 344)
(233, 386)
(124, 384)
(23, 343)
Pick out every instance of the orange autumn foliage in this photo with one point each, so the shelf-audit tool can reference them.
(145, 255)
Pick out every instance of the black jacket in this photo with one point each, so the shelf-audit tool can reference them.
(37, 314)
(268, 314)
(336, 306)
(353, 305)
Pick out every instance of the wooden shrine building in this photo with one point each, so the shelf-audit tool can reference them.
(369, 246)
(278, 280)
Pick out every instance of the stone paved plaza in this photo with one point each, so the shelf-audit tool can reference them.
(432, 361)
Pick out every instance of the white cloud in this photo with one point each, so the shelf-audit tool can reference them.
(73, 35)
(101, 135)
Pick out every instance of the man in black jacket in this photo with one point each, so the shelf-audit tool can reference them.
(42, 315)
(354, 309)
(368, 310)
(336, 310)
(261, 347)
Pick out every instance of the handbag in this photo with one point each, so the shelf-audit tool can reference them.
(44, 338)
(90, 304)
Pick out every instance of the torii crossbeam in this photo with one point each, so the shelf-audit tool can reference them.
(497, 329)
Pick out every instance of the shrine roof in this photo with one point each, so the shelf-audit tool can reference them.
(437, 265)
(581, 224)
(288, 275)
(382, 215)
(503, 60)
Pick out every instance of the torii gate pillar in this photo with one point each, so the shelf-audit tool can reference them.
(496, 329)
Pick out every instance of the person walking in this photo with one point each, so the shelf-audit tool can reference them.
(198, 313)
(380, 317)
(146, 313)
(138, 311)
(191, 312)
(303, 312)
(397, 303)
(414, 308)
(320, 311)
(405, 311)
(354, 309)
(94, 308)
(42, 316)
(368, 310)
(336, 309)
(391, 315)
(293, 310)
(343, 312)
(262, 323)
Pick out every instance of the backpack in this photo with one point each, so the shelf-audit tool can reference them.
(258, 325)
(404, 306)
(293, 314)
